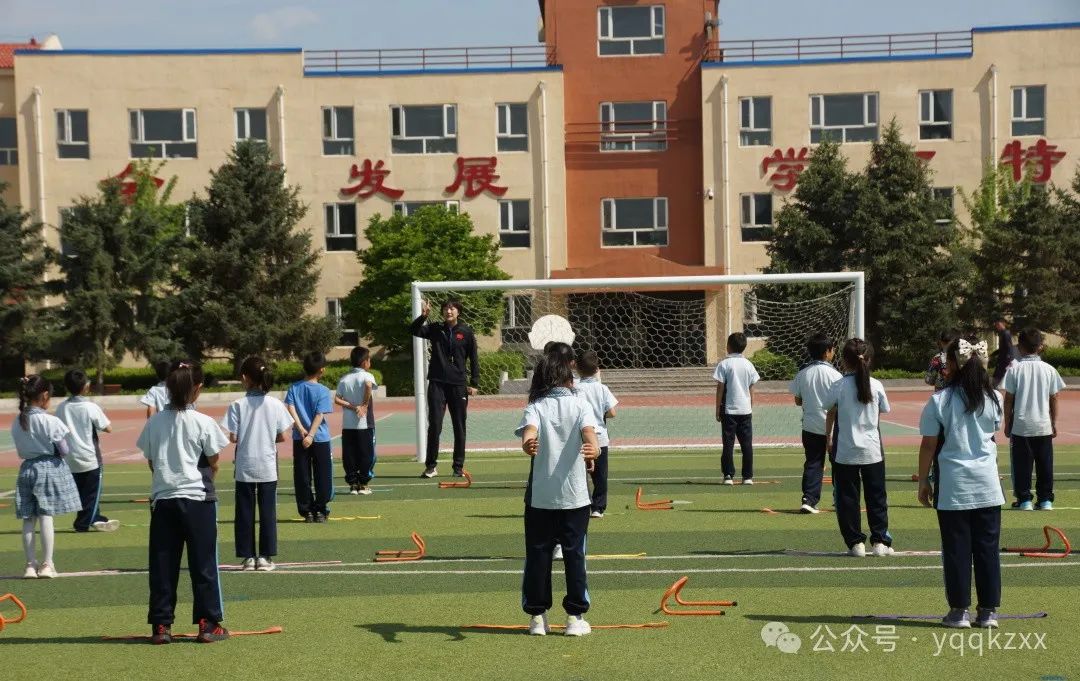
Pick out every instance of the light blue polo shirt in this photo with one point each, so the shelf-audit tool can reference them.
(858, 441)
(310, 399)
(737, 374)
(1032, 381)
(557, 479)
(811, 385)
(967, 475)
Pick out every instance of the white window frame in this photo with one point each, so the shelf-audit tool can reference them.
(397, 119)
(401, 207)
(502, 118)
(744, 127)
(605, 28)
(609, 134)
(246, 110)
(660, 208)
(66, 140)
(504, 229)
(817, 104)
(189, 130)
(1023, 117)
(933, 94)
(752, 213)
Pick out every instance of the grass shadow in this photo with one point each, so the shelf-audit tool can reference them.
(391, 630)
(841, 619)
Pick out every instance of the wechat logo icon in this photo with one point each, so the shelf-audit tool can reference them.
(777, 635)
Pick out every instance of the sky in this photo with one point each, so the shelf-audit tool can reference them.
(358, 24)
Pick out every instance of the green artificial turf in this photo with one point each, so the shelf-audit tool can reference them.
(362, 620)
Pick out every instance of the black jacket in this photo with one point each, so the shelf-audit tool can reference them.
(450, 348)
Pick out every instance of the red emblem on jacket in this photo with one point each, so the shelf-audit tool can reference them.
(460, 336)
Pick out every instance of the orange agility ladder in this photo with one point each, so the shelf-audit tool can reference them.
(675, 591)
(1043, 551)
(659, 505)
(458, 485)
(18, 604)
(403, 555)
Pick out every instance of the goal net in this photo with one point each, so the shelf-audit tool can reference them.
(658, 342)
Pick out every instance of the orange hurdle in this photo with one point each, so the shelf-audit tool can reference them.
(660, 505)
(675, 591)
(18, 604)
(458, 485)
(403, 555)
(1042, 551)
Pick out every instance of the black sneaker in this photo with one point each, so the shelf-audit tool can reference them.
(211, 631)
(310, 518)
(320, 518)
(160, 634)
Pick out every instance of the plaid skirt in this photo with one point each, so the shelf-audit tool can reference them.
(45, 487)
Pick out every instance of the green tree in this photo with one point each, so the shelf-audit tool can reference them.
(247, 275)
(432, 244)
(118, 250)
(1026, 268)
(24, 260)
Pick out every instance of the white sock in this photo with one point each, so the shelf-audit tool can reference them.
(28, 539)
(47, 539)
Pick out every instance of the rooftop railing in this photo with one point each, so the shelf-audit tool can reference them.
(428, 59)
(841, 47)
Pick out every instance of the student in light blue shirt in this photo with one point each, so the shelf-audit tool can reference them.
(810, 387)
(558, 432)
(735, 378)
(855, 405)
(310, 403)
(958, 424)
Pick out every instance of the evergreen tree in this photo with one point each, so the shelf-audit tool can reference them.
(24, 260)
(119, 249)
(247, 274)
(433, 244)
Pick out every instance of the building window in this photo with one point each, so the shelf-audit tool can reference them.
(424, 129)
(337, 132)
(513, 127)
(756, 217)
(1029, 110)
(935, 114)
(755, 121)
(408, 208)
(163, 133)
(334, 309)
(631, 30)
(72, 133)
(9, 143)
(251, 124)
(635, 222)
(514, 224)
(340, 226)
(844, 118)
(633, 126)
(944, 211)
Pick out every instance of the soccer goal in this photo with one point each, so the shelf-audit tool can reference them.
(658, 340)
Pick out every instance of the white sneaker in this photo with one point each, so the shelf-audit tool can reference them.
(596, 514)
(46, 571)
(577, 626)
(31, 571)
(430, 472)
(728, 480)
(881, 550)
(106, 525)
(248, 564)
(557, 555)
(364, 491)
(807, 508)
(264, 564)
(538, 625)
(858, 551)
(748, 481)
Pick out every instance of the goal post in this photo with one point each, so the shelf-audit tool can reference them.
(680, 318)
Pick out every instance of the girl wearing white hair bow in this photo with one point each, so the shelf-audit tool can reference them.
(959, 423)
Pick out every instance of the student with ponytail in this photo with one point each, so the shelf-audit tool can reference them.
(855, 404)
(957, 428)
(182, 446)
(44, 487)
(256, 423)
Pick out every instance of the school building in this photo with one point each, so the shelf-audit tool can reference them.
(631, 140)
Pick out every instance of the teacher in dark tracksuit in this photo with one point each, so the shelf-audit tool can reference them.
(452, 344)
